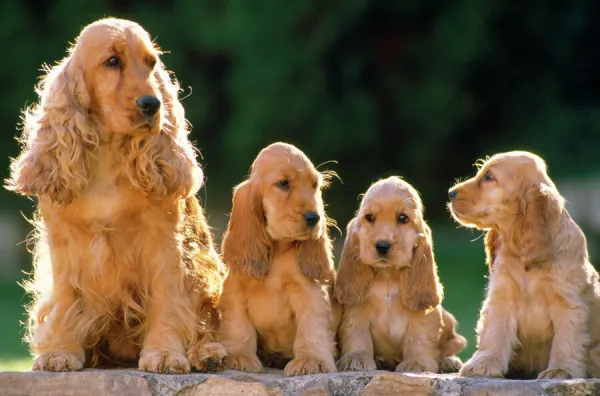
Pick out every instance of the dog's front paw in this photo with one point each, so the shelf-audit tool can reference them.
(249, 363)
(416, 367)
(482, 367)
(207, 357)
(164, 362)
(450, 364)
(557, 373)
(57, 361)
(356, 361)
(308, 365)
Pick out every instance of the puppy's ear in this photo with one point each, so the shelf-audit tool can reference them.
(421, 288)
(492, 243)
(354, 277)
(538, 220)
(246, 245)
(315, 261)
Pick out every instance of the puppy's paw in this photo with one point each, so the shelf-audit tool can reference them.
(482, 367)
(356, 361)
(164, 362)
(249, 363)
(417, 367)
(308, 365)
(450, 364)
(57, 361)
(207, 357)
(557, 373)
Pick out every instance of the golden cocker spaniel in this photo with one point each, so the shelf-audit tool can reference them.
(125, 267)
(389, 288)
(541, 315)
(276, 300)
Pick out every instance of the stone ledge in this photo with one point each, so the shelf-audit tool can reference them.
(273, 383)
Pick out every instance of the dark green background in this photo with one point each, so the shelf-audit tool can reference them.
(420, 89)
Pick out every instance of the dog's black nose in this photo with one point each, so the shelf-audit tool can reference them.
(382, 247)
(452, 194)
(311, 218)
(148, 105)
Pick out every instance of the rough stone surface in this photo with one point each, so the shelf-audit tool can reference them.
(273, 383)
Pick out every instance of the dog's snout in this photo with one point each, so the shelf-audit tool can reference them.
(382, 247)
(452, 194)
(311, 218)
(148, 105)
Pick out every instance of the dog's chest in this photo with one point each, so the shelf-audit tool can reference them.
(389, 317)
(532, 294)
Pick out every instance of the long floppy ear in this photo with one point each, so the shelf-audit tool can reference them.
(314, 259)
(246, 244)
(354, 277)
(492, 244)
(537, 223)
(421, 288)
(57, 139)
(165, 164)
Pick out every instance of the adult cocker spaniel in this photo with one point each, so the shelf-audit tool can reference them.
(389, 288)
(276, 300)
(541, 315)
(124, 262)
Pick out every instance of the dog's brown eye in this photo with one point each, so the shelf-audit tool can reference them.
(113, 62)
(283, 184)
(151, 62)
(315, 185)
(370, 218)
(402, 218)
(488, 176)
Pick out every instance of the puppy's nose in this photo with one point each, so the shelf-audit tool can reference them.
(382, 247)
(148, 105)
(452, 194)
(311, 218)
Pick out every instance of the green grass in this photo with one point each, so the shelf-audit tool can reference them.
(461, 268)
(13, 352)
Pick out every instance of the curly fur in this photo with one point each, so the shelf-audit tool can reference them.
(124, 264)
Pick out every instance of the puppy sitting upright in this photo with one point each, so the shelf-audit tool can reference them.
(389, 286)
(541, 313)
(276, 298)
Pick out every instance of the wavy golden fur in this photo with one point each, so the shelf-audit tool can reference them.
(124, 262)
(541, 315)
(276, 300)
(389, 288)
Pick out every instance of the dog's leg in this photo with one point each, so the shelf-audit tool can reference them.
(237, 334)
(571, 339)
(356, 342)
(421, 350)
(314, 345)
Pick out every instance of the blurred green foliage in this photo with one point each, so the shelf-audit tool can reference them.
(415, 88)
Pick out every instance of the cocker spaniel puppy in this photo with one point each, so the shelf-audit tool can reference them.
(541, 313)
(389, 288)
(124, 263)
(276, 299)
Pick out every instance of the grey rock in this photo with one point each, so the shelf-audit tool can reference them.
(273, 383)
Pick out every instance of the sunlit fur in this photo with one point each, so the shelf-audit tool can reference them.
(392, 312)
(541, 315)
(124, 261)
(276, 299)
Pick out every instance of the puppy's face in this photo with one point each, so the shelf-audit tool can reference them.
(119, 63)
(491, 198)
(291, 194)
(389, 224)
